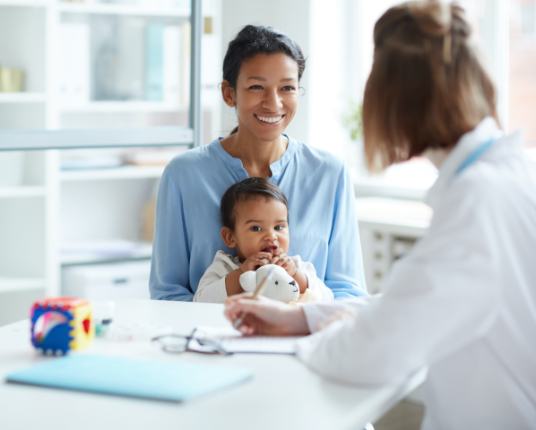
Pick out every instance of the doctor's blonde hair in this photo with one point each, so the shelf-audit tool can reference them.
(427, 86)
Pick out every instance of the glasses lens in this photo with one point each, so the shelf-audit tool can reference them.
(172, 343)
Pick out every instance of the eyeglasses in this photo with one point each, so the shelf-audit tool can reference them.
(176, 343)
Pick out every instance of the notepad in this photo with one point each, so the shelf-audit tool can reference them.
(171, 381)
(233, 341)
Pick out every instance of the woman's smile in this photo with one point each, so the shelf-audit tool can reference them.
(269, 119)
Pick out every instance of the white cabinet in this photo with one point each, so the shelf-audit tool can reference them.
(389, 228)
(94, 65)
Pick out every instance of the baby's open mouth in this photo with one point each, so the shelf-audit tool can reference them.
(271, 248)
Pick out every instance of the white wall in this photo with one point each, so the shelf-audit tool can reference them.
(291, 18)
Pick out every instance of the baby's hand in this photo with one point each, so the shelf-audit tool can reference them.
(253, 262)
(286, 263)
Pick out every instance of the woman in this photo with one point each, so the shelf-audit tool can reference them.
(463, 301)
(261, 74)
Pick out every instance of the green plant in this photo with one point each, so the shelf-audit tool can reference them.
(353, 121)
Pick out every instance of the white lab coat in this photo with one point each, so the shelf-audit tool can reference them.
(462, 302)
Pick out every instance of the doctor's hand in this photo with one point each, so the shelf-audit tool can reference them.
(265, 316)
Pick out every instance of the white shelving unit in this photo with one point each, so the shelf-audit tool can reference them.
(22, 98)
(51, 214)
(389, 227)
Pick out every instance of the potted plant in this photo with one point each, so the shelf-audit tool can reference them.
(353, 122)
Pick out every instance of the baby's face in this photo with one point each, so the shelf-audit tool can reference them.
(261, 225)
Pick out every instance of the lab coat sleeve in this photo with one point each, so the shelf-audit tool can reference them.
(169, 278)
(320, 315)
(211, 287)
(436, 300)
(344, 271)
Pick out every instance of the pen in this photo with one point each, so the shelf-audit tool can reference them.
(258, 290)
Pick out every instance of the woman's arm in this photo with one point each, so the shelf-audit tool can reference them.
(345, 261)
(169, 279)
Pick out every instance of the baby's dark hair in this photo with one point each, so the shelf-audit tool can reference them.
(245, 190)
(257, 39)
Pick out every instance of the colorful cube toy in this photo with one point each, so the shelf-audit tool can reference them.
(61, 324)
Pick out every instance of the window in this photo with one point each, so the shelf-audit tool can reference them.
(522, 70)
(505, 33)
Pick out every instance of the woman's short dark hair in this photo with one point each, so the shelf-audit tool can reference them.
(247, 189)
(257, 39)
(427, 86)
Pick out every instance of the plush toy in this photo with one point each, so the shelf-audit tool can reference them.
(60, 324)
(280, 285)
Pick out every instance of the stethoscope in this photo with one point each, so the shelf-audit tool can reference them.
(474, 156)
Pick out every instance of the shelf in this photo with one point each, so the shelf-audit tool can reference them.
(91, 260)
(22, 97)
(128, 10)
(16, 284)
(22, 191)
(112, 251)
(51, 219)
(16, 140)
(123, 106)
(407, 215)
(25, 3)
(125, 172)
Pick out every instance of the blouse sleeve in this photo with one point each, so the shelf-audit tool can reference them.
(169, 279)
(344, 271)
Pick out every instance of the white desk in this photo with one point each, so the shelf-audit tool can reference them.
(283, 393)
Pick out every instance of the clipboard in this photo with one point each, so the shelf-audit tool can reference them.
(121, 376)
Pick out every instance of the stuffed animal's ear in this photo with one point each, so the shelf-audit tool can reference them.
(248, 281)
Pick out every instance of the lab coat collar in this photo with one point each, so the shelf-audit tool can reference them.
(487, 129)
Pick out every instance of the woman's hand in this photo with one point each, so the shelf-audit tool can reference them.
(265, 316)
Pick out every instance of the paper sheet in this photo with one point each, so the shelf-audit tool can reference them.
(233, 341)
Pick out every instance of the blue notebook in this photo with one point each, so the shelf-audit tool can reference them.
(172, 381)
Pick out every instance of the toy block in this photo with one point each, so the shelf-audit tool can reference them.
(61, 324)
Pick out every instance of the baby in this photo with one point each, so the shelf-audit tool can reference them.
(254, 215)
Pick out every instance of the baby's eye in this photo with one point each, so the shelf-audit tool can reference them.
(280, 227)
(255, 228)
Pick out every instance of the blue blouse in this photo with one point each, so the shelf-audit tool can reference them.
(322, 218)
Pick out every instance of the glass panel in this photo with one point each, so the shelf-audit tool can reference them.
(122, 64)
(81, 68)
(522, 82)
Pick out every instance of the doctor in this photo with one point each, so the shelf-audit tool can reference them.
(463, 302)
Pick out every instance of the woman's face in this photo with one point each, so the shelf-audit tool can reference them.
(266, 95)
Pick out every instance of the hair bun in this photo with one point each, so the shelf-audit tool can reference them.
(439, 18)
